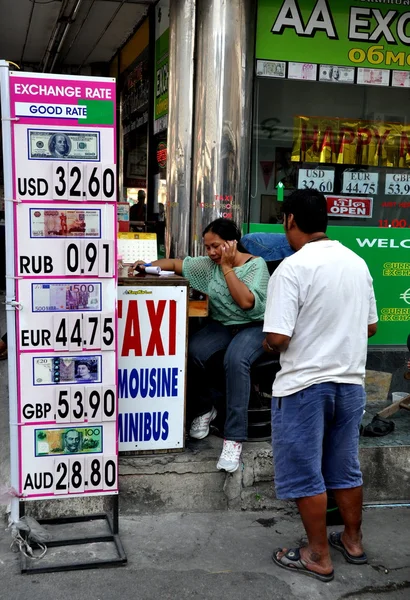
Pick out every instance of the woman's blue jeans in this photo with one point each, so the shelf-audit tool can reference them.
(238, 349)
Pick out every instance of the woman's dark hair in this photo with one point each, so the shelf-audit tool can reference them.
(227, 230)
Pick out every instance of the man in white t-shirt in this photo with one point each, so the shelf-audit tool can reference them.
(319, 314)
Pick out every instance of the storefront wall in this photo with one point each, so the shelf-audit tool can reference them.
(159, 136)
(134, 85)
(330, 112)
(142, 69)
(327, 112)
(331, 96)
(337, 122)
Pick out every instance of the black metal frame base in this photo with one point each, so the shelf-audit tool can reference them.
(30, 566)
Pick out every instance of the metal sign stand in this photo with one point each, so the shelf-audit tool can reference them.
(28, 566)
(10, 281)
(18, 504)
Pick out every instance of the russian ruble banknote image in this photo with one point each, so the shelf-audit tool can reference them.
(46, 223)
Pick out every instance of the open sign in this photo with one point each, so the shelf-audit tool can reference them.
(343, 206)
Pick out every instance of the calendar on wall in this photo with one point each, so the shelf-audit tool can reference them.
(137, 246)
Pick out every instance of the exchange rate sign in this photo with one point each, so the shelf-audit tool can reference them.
(64, 181)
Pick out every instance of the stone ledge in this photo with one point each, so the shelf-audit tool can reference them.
(386, 472)
(161, 469)
(171, 492)
(190, 482)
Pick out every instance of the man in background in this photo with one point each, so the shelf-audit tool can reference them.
(137, 210)
(320, 312)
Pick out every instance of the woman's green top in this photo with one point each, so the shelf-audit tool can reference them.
(207, 277)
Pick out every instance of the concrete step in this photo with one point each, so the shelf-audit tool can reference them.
(189, 482)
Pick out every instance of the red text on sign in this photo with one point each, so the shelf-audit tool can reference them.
(159, 343)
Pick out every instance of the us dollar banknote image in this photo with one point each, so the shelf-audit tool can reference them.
(63, 145)
(336, 74)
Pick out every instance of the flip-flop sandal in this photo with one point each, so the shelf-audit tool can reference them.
(335, 540)
(292, 562)
(378, 427)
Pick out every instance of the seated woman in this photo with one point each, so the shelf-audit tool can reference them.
(236, 284)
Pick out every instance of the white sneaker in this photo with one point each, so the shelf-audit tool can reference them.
(229, 459)
(200, 425)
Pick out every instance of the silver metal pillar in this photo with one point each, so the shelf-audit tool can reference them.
(225, 35)
(180, 123)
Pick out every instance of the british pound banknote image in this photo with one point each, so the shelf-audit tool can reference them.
(63, 145)
(68, 440)
(72, 223)
(48, 370)
(55, 297)
(335, 74)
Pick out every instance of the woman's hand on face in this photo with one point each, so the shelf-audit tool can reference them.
(229, 250)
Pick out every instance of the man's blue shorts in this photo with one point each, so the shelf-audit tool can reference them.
(315, 439)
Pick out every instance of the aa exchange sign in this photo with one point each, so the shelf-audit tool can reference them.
(340, 32)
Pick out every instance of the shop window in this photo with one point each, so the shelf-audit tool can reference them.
(134, 133)
(350, 141)
(160, 178)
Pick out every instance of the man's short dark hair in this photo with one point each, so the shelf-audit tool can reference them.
(309, 209)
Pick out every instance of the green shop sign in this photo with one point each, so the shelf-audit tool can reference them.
(358, 33)
(386, 252)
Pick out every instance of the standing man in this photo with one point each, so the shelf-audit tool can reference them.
(137, 211)
(319, 313)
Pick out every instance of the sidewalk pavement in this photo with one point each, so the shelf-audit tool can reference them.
(221, 555)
